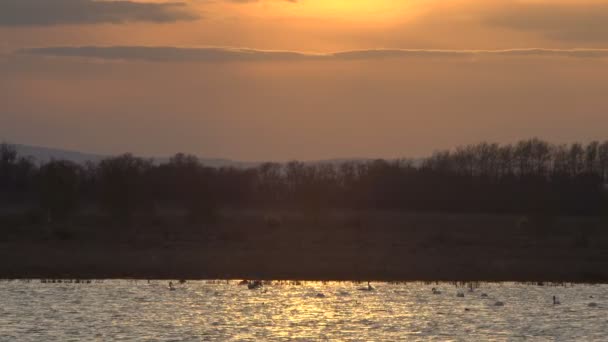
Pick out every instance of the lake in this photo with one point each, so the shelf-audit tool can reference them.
(220, 311)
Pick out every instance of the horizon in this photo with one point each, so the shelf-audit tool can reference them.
(160, 157)
(46, 153)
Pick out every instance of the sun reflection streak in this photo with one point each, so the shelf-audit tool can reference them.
(217, 311)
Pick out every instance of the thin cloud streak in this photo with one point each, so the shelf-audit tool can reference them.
(220, 54)
(575, 21)
(19, 13)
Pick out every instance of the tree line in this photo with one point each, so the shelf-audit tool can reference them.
(529, 177)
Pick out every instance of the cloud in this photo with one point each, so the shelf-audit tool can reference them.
(218, 54)
(63, 12)
(170, 54)
(580, 21)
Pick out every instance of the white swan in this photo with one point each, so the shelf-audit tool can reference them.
(256, 284)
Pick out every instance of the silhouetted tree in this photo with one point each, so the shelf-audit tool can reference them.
(603, 161)
(16, 174)
(192, 186)
(529, 177)
(58, 184)
(121, 184)
(8, 157)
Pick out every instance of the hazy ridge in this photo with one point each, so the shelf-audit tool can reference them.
(45, 154)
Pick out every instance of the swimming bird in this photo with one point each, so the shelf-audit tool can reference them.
(171, 288)
(254, 285)
(435, 291)
(592, 305)
(368, 288)
(460, 294)
(484, 295)
(499, 303)
(320, 295)
(556, 301)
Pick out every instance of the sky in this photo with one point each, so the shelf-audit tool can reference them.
(301, 79)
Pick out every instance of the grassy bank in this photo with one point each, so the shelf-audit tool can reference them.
(325, 246)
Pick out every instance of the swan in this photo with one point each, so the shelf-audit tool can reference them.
(368, 288)
(435, 291)
(499, 303)
(254, 285)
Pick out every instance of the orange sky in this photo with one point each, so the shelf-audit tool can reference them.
(307, 79)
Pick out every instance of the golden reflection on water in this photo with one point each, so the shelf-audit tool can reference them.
(229, 312)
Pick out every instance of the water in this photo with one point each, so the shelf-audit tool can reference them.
(202, 311)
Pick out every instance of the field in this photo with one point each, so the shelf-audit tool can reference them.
(362, 246)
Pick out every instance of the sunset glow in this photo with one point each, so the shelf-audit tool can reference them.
(277, 170)
(379, 11)
(231, 78)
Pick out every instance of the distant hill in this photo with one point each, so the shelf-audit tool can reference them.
(45, 154)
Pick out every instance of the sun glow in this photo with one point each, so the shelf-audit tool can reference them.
(348, 10)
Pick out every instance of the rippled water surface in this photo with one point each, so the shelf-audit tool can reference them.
(129, 310)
